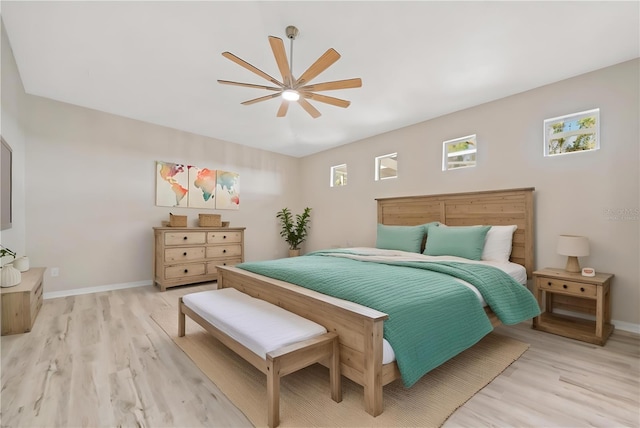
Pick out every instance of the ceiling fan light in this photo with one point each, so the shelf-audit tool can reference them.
(290, 95)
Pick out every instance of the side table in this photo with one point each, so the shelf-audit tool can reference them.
(21, 303)
(558, 289)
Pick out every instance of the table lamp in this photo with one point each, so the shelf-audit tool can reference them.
(574, 247)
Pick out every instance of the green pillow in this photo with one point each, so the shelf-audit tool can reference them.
(460, 241)
(428, 225)
(404, 238)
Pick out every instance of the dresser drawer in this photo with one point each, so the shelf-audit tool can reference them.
(224, 251)
(184, 238)
(221, 237)
(184, 271)
(172, 255)
(211, 266)
(567, 287)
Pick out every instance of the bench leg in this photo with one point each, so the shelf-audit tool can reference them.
(273, 392)
(181, 320)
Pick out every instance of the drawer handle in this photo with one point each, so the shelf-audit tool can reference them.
(224, 251)
(582, 289)
(224, 236)
(224, 264)
(184, 254)
(549, 284)
(186, 271)
(564, 286)
(185, 238)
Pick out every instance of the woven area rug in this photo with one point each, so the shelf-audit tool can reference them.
(305, 398)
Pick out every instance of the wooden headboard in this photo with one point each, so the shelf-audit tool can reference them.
(494, 207)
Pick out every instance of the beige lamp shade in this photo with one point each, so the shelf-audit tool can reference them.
(574, 247)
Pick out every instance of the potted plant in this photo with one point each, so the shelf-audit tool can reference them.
(294, 233)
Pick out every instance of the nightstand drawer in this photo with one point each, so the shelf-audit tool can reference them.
(568, 287)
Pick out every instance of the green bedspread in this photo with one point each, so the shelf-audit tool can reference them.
(432, 317)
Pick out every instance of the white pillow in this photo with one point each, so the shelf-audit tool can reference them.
(497, 244)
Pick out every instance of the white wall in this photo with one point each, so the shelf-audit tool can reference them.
(90, 188)
(575, 194)
(11, 128)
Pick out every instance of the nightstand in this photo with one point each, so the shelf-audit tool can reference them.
(558, 289)
(21, 304)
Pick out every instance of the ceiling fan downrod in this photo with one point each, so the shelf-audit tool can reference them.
(291, 32)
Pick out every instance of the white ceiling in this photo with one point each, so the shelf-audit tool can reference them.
(159, 61)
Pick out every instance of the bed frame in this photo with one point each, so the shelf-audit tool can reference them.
(360, 328)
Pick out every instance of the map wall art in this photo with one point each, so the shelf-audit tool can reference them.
(180, 185)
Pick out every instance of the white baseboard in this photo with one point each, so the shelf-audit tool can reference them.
(620, 325)
(97, 289)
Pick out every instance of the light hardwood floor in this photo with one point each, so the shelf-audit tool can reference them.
(99, 360)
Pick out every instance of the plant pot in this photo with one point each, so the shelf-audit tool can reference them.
(22, 264)
(10, 276)
(294, 253)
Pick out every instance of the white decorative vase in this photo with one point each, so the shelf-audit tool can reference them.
(9, 276)
(22, 264)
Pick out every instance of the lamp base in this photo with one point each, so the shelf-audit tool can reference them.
(573, 265)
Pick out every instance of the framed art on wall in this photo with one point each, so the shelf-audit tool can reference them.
(6, 203)
(188, 186)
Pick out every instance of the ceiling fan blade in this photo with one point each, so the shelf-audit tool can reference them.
(324, 62)
(277, 46)
(309, 108)
(251, 68)
(249, 85)
(282, 111)
(327, 100)
(257, 100)
(336, 84)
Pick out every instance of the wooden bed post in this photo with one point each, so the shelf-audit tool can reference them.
(372, 373)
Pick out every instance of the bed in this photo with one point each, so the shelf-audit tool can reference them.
(360, 328)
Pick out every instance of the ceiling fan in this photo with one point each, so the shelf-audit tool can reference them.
(292, 89)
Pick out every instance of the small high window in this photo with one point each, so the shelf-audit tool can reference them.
(387, 166)
(459, 153)
(576, 132)
(339, 175)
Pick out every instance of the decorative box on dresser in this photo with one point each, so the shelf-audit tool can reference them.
(558, 289)
(21, 303)
(187, 255)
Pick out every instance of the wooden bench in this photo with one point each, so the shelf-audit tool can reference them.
(272, 339)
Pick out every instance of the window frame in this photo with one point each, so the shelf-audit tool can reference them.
(446, 154)
(332, 177)
(378, 166)
(573, 118)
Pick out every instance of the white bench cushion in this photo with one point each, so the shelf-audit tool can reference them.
(258, 325)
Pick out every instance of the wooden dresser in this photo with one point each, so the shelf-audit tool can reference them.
(21, 303)
(187, 255)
